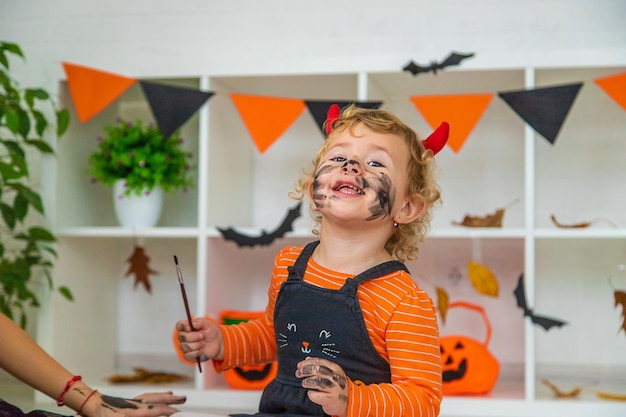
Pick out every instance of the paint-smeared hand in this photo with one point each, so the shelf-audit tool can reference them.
(328, 384)
(204, 342)
(145, 405)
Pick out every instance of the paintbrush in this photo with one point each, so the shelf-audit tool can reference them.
(182, 290)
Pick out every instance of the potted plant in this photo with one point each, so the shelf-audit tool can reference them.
(141, 165)
(27, 250)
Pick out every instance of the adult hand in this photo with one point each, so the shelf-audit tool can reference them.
(328, 384)
(145, 405)
(204, 342)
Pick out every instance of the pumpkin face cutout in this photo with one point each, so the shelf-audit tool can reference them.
(250, 377)
(467, 365)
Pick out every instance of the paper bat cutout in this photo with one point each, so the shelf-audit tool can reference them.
(139, 266)
(620, 299)
(453, 59)
(265, 238)
(520, 295)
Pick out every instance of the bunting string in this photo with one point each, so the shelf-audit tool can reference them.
(267, 118)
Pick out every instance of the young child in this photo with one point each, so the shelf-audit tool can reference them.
(352, 332)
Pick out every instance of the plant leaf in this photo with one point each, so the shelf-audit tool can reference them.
(65, 292)
(63, 121)
(483, 280)
(41, 234)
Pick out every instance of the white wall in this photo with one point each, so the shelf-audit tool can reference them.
(189, 37)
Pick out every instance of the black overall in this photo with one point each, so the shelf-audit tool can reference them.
(319, 322)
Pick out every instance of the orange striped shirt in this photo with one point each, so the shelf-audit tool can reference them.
(401, 321)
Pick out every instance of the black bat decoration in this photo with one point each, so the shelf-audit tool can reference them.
(453, 59)
(265, 238)
(520, 295)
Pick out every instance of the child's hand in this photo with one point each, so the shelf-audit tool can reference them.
(205, 342)
(328, 384)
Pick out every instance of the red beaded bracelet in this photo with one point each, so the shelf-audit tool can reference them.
(69, 384)
(80, 410)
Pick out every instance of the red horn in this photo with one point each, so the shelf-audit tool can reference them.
(437, 140)
(333, 113)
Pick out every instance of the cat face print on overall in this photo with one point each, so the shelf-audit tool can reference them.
(361, 176)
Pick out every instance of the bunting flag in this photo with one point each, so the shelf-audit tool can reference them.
(544, 109)
(172, 106)
(267, 118)
(319, 108)
(460, 111)
(93, 90)
(615, 87)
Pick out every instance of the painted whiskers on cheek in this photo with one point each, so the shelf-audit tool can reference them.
(385, 195)
(319, 199)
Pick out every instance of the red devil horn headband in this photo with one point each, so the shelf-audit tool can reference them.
(435, 142)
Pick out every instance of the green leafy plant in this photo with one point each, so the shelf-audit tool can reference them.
(139, 154)
(26, 248)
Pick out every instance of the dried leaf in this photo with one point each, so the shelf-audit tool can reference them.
(139, 266)
(482, 279)
(620, 299)
(561, 394)
(569, 226)
(611, 396)
(142, 375)
(490, 220)
(442, 303)
(580, 225)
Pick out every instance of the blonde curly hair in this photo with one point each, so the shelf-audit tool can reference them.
(404, 243)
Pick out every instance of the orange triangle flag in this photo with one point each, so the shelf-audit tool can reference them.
(462, 112)
(267, 118)
(615, 87)
(93, 90)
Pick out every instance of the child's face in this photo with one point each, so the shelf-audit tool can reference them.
(362, 175)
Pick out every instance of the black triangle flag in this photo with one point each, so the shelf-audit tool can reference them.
(173, 106)
(544, 109)
(319, 108)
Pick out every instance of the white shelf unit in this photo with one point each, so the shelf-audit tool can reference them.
(112, 327)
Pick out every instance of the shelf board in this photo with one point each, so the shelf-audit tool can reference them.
(165, 232)
(582, 233)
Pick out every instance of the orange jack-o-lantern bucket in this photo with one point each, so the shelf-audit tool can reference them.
(250, 377)
(467, 365)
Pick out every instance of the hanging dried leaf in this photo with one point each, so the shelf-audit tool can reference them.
(562, 394)
(611, 396)
(482, 279)
(620, 299)
(139, 266)
(442, 303)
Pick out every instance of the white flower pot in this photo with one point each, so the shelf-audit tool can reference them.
(137, 210)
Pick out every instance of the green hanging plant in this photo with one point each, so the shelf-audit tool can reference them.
(26, 249)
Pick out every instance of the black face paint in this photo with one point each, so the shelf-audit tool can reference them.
(118, 402)
(385, 192)
(385, 195)
(318, 198)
